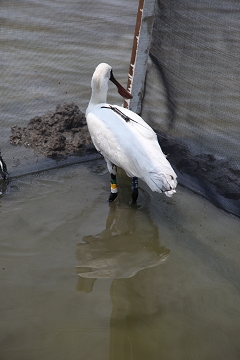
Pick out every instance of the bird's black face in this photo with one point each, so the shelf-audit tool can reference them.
(123, 92)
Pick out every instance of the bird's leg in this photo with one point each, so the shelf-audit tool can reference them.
(134, 190)
(114, 188)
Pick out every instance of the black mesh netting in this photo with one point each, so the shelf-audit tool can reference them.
(192, 94)
(49, 50)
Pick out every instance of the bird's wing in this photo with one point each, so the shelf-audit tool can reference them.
(112, 137)
(138, 123)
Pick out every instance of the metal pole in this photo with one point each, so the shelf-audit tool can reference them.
(140, 51)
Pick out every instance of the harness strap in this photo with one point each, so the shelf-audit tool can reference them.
(117, 111)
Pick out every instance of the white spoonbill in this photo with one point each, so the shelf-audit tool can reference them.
(125, 140)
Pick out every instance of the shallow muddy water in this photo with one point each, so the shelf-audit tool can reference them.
(82, 279)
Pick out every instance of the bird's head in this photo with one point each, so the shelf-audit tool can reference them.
(102, 75)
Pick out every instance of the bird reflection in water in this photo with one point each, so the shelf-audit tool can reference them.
(128, 251)
(129, 244)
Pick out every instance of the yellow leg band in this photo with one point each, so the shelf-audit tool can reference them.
(114, 188)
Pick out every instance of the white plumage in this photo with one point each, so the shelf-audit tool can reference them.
(128, 143)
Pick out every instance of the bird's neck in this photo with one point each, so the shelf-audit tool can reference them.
(99, 91)
(97, 97)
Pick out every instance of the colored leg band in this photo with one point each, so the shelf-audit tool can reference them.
(114, 187)
(134, 183)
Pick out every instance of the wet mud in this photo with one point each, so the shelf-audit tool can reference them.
(60, 132)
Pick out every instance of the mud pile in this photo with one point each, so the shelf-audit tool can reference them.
(60, 132)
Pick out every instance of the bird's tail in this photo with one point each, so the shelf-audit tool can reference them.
(163, 183)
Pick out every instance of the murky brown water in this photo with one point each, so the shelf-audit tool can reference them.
(82, 279)
(79, 278)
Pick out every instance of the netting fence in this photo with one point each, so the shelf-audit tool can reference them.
(192, 94)
(49, 51)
